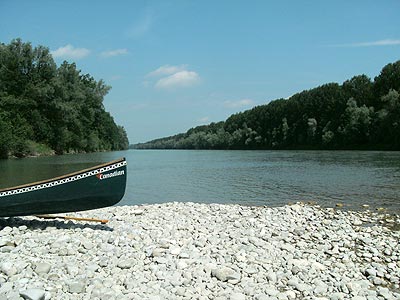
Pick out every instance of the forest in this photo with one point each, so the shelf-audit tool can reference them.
(358, 114)
(45, 109)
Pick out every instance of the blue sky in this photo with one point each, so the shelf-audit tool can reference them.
(174, 65)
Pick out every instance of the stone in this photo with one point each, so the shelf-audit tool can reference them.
(391, 265)
(251, 270)
(237, 296)
(138, 212)
(337, 296)
(181, 264)
(6, 230)
(76, 287)
(288, 247)
(42, 268)
(93, 267)
(184, 255)
(261, 297)
(321, 289)
(33, 294)
(291, 295)
(271, 276)
(271, 291)
(370, 272)
(124, 263)
(234, 278)
(224, 274)
(6, 288)
(384, 292)
(174, 250)
(8, 268)
(4, 242)
(318, 266)
(157, 252)
(201, 251)
(302, 287)
(6, 249)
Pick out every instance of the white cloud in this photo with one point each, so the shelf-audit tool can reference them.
(71, 52)
(166, 70)
(113, 53)
(387, 42)
(170, 77)
(179, 79)
(204, 120)
(239, 103)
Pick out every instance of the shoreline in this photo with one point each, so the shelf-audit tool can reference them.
(202, 251)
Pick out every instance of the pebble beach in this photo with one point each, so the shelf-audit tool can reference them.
(203, 251)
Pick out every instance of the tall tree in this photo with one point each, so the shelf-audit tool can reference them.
(57, 107)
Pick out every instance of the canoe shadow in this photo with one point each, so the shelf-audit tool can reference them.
(41, 224)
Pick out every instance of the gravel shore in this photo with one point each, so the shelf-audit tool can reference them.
(202, 251)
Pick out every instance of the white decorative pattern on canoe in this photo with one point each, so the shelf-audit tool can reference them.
(62, 181)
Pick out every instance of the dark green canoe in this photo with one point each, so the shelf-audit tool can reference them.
(100, 186)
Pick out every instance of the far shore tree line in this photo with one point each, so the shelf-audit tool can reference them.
(47, 109)
(358, 114)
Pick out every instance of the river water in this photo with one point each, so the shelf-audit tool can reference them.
(271, 178)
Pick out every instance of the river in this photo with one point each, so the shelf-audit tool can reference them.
(271, 178)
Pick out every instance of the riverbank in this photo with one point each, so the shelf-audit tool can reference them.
(202, 251)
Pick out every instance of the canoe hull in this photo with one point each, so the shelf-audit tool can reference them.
(92, 188)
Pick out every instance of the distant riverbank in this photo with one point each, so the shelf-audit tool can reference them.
(202, 251)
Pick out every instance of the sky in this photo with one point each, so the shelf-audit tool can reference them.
(174, 65)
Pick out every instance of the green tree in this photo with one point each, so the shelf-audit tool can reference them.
(387, 121)
(356, 123)
(388, 79)
(57, 107)
(360, 89)
(6, 137)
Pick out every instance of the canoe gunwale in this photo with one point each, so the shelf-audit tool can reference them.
(63, 176)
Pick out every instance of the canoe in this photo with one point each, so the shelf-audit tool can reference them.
(96, 187)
